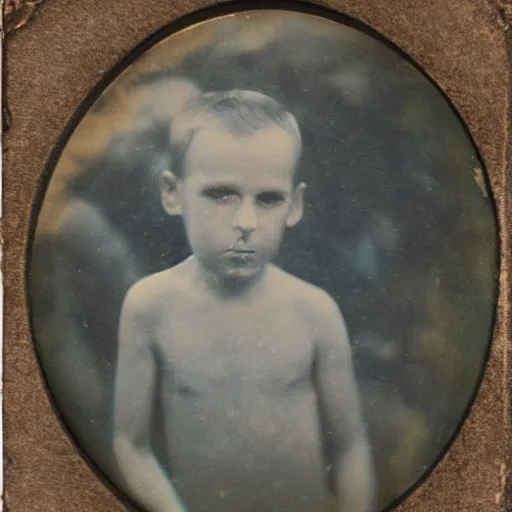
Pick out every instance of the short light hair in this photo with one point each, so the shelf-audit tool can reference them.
(239, 112)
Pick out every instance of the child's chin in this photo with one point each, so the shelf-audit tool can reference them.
(242, 273)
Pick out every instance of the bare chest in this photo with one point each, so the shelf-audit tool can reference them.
(238, 349)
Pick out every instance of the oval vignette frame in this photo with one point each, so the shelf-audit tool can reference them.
(168, 30)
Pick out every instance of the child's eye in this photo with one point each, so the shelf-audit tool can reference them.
(220, 194)
(270, 198)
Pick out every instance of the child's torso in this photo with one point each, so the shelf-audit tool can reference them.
(240, 408)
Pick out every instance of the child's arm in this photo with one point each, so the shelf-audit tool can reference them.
(341, 414)
(134, 393)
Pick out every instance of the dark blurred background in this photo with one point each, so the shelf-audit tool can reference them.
(398, 226)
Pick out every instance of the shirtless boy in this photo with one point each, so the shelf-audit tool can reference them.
(258, 392)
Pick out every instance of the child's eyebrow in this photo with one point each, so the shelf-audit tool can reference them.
(217, 186)
(217, 190)
(230, 187)
(273, 191)
(277, 188)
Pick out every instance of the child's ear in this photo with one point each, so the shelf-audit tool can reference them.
(169, 193)
(297, 207)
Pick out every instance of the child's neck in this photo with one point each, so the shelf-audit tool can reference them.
(228, 287)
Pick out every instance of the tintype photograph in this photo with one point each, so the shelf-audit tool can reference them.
(264, 267)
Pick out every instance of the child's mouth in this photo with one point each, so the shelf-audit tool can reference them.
(241, 254)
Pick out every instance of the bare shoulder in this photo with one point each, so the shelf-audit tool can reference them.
(315, 301)
(147, 297)
(315, 304)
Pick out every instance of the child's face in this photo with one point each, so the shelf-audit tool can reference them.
(237, 197)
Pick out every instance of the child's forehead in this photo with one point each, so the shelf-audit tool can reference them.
(216, 137)
(269, 148)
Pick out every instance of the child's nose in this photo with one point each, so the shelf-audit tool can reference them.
(245, 218)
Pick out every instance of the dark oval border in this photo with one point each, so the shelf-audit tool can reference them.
(183, 22)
